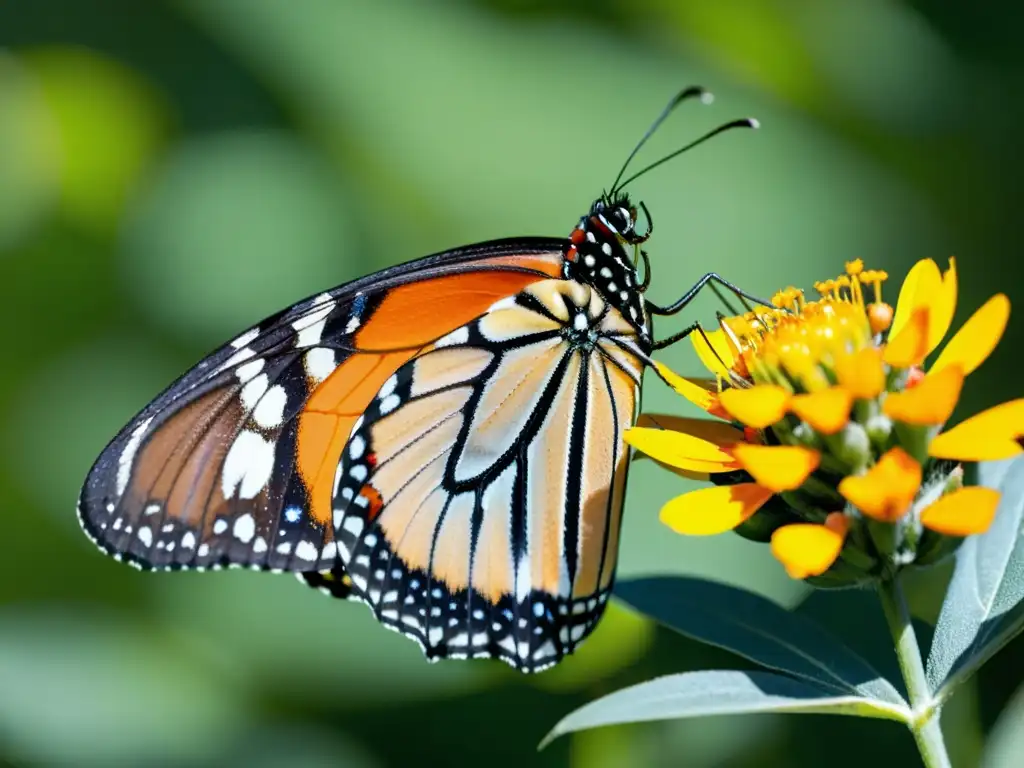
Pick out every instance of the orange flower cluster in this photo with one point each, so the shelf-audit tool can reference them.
(825, 406)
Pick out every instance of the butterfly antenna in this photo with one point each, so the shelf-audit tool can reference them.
(746, 122)
(694, 91)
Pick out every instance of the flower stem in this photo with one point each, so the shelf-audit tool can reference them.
(925, 723)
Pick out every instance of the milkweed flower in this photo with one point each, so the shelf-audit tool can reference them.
(830, 440)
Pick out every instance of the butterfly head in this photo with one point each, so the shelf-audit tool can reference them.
(597, 255)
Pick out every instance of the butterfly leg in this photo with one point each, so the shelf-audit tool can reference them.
(714, 280)
(670, 340)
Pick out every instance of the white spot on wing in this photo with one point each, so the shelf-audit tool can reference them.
(254, 390)
(239, 357)
(306, 551)
(245, 338)
(245, 528)
(124, 461)
(248, 465)
(246, 372)
(145, 535)
(188, 540)
(320, 363)
(310, 327)
(269, 412)
(389, 403)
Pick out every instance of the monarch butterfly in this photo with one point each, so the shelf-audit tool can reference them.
(440, 440)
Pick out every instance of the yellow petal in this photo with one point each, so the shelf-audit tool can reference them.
(886, 490)
(910, 345)
(713, 510)
(962, 512)
(922, 282)
(941, 307)
(826, 410)
(809, 549)
(714, 351)
(988, 436)
(976, 339)
(928, 403)
(759, 406)
(777, 467)
(702, 393)
(682, 450)
(862, 374)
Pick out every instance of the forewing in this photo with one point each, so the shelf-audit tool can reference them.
(234, 463)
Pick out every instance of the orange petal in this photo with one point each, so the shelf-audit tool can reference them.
(962, 512)
(759, 406)
(713, 510)
(910, 345)
(922, 282)
(809, 549)
(941, 307)
(698, 391)
(988, 436)
(976, 339)
(714, 351)
(826, 410)
(777, 467)
(861, 373)
(930, 402)
(679, 449)
(887, 489)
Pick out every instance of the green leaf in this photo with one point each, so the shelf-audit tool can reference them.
(718, 692)
(759, 630)
(984, 605)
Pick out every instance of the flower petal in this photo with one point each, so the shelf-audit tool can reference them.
(861, 373)
(702, 393)
(941, 306)
(679, 449)
(714, 351)
(962, 512)
(910, 345)
(931, 402)
(809, 549)
(922, 282)
(887, 489)
(713, 510)
(759, 406)
(996, 433)
(976, 339)
(777, 467)
(827, 410)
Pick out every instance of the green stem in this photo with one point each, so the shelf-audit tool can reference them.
(926, 711)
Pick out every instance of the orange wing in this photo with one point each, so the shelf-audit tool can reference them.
(234, 464)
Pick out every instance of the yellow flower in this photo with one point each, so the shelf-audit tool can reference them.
(826, 407)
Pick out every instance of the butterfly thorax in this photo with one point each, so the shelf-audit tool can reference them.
(596, 255)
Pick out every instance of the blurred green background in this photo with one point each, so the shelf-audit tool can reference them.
(171, 172)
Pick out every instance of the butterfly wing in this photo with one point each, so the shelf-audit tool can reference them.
(477, 504)
(234, 463)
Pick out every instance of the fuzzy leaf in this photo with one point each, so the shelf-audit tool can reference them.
(718, 692)
(984, 605)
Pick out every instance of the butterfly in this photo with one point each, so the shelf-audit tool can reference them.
(441, 440)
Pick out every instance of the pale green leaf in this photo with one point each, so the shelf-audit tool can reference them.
(984, 605)
(718, 692)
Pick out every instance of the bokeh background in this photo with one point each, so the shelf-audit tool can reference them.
(171, 172)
